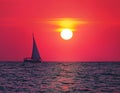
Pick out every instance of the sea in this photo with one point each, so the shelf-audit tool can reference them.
(60, 77)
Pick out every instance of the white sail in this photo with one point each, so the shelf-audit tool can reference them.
(35, 52)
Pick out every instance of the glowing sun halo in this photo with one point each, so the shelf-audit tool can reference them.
(66, 34)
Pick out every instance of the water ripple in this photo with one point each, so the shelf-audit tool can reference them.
(60, 78)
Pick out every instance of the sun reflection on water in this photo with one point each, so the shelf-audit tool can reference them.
(64, 80)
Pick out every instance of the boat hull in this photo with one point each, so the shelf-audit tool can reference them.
(32, 61)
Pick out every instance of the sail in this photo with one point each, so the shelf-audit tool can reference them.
(35, 52)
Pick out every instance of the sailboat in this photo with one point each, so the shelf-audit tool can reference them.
(35, 57)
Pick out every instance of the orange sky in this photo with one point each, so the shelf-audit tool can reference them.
(98, 40)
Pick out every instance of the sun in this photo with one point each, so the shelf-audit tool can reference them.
(66, 34)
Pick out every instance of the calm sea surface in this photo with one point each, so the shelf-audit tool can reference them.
(94, 77)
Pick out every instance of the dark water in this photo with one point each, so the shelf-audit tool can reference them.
(60, 77)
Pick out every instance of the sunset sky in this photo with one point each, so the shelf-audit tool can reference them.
(96, 40)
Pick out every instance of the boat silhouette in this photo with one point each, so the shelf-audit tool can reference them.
(35, 57)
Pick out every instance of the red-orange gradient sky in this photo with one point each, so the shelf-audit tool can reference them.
(98, 40)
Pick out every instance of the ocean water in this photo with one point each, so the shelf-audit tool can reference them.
(94, 77)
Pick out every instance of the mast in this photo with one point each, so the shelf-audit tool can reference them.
(35, 52)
